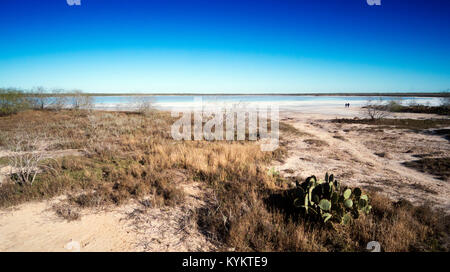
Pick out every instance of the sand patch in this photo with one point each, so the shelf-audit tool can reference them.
(130, 227)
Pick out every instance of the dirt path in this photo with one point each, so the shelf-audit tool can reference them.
(351, 155)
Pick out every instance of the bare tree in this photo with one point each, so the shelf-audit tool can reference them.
(12, 101)
(59, 100)
(445, 100)
(40, 98)
(413, 102)
(143, 104)
(375, 110)
(26, 158)
(79, 101)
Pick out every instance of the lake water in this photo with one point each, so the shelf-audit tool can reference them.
(285, 102)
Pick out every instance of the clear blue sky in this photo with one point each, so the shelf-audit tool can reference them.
(226, 46)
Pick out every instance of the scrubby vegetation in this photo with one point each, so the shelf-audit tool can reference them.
(440, 110)
(398, 106)
(13, 101)
(404, 123)
(121, 154)
(112, 157)
(252, 214)
(380, 109)
(439, 167)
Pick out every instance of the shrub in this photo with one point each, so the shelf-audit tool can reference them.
(67, 212)
(394, 106)
(143, 104)
(79, 100)
(12, 101)
(41, 99)
(26, 159)
(374, 110)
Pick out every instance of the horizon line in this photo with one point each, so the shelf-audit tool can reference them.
(396, 94)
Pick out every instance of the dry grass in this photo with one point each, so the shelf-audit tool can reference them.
(66, 212)
(250, 217)
(129, 155)
(316, 142)
(441, 110)
(122, 157)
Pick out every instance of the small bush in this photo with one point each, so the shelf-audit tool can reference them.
(143, 105)
(77, 100)
(12, 101)
(67, 212)
(394, 106)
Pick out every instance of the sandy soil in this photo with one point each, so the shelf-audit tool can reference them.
(35, 227)
(131, 227)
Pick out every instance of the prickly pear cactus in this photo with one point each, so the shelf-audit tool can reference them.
(329, 201)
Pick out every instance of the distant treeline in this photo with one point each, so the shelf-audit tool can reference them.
(435, 94)
(14, 100)
(60, 92)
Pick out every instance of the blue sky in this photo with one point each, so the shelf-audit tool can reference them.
(228, 46)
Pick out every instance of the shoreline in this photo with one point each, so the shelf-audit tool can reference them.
(434, 94)
(396, 94)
